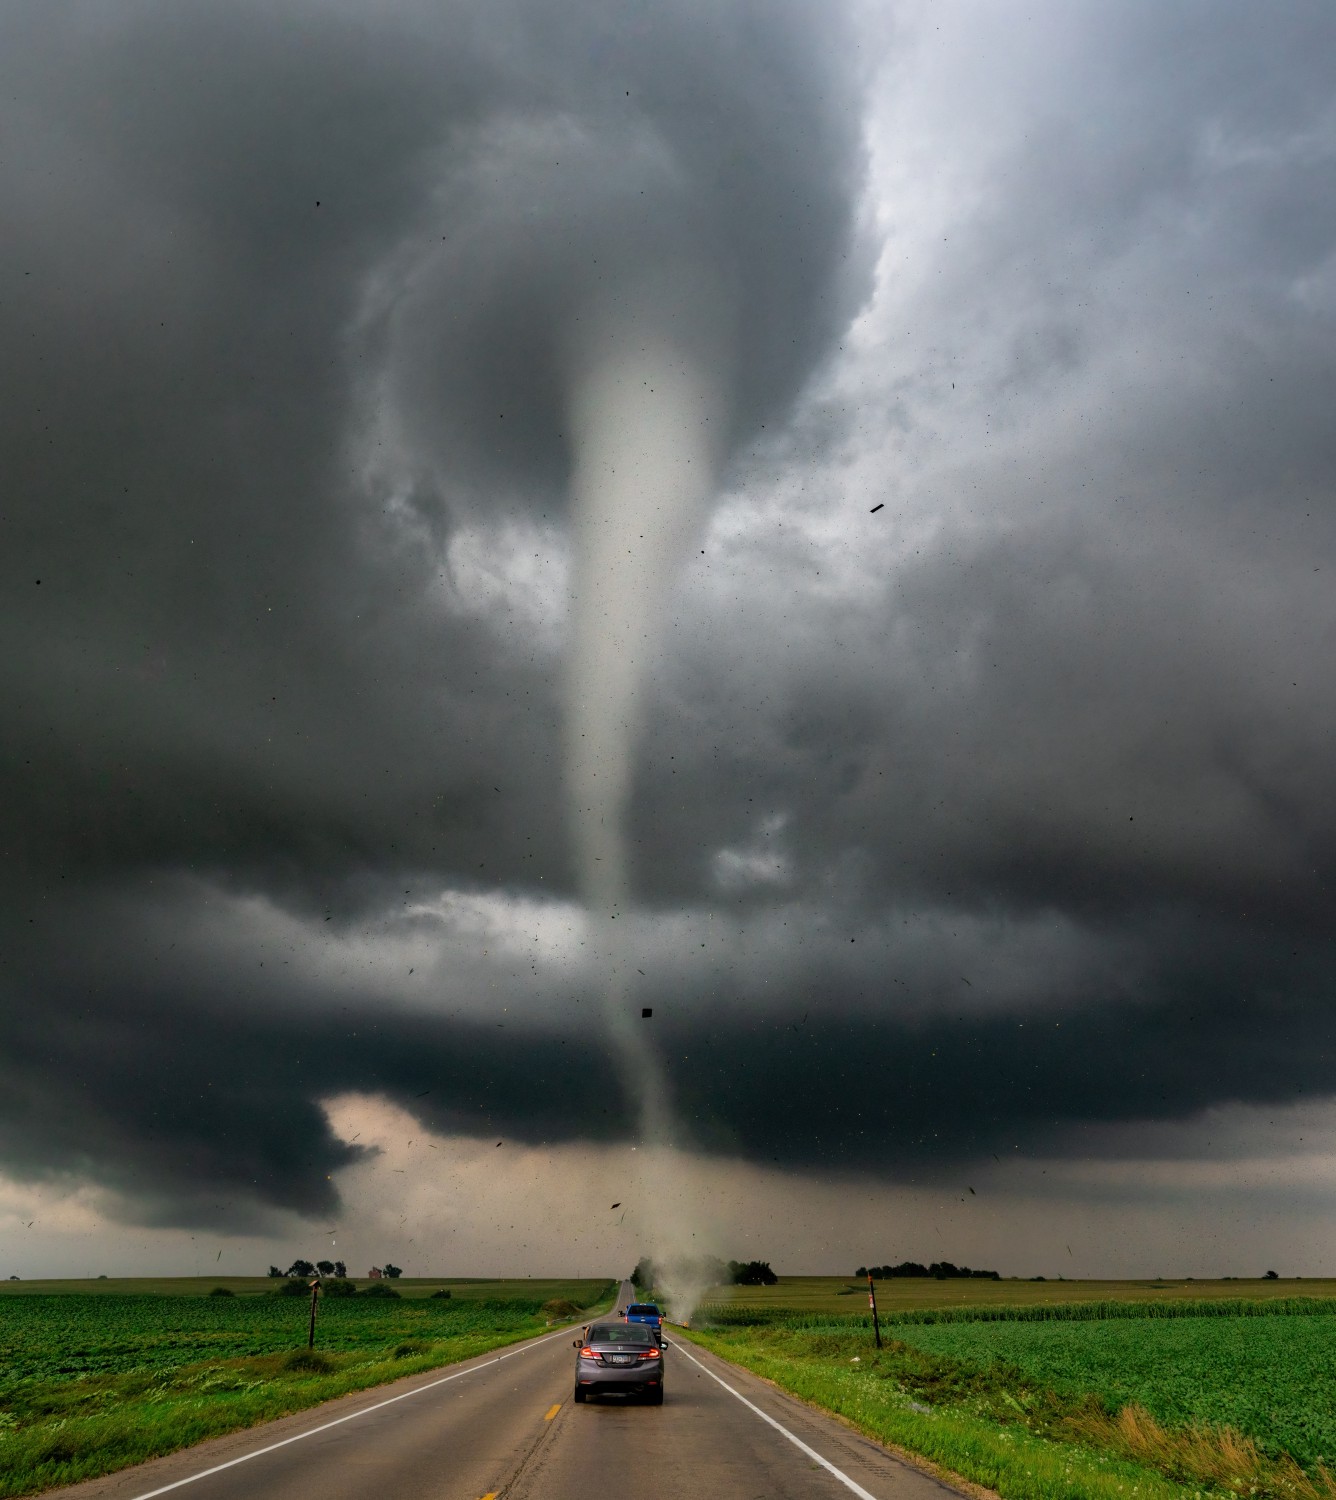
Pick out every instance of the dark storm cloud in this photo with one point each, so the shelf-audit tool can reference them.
(219, 652)
(209, 1115)
(237, 239)
(1011, 839)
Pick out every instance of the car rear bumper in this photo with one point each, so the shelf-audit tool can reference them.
(626, 1380)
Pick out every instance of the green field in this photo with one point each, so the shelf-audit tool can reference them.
(844, 1295)
(1103, 1391)
(90, 1382)
(1273, 1378)
(475, 1287)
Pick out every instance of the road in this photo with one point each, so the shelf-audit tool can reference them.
(504, 1427)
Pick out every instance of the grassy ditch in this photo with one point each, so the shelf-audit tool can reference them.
(1149, 1407)
(90, 1384)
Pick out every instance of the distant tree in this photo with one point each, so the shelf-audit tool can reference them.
(336, 1286)
(222, 1291)
(752, 1273)
(291, 1286)
(394, 1272)
(379, 1289)
(340, 1270)
(274, 1271)
(301, 1268)
(325, 1267)
(1271, 1276)
(941, 1270)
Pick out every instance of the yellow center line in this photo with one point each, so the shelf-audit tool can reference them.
(547, 1418)
(490, 1495)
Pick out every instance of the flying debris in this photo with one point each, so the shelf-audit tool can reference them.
(876, 508)
(424, 1092)
(975, 1194)
(498, 1143)
(646, 1012)
(615, 1205)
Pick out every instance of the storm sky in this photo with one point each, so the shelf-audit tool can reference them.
(983, 827)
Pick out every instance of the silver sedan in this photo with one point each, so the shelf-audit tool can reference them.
(619, 1359)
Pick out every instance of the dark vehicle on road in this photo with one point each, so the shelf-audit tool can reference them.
(619, 1359)
(645, 1312)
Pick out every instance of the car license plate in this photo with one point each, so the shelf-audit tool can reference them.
(620, 1359)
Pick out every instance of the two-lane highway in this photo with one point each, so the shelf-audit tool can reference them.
(504, 1426)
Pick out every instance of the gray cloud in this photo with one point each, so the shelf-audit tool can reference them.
(1016, 790)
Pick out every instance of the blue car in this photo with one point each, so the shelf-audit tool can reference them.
(645, 1312)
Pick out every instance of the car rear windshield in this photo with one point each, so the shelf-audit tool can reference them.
(619, 1333)
(641, 1309)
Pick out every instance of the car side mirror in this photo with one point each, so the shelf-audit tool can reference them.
(575, 1343)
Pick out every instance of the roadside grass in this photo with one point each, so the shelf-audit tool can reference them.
(92, 1384)
(1054, 1409)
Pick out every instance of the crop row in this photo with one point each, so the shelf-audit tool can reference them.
(727, 1315)
(72, 1336)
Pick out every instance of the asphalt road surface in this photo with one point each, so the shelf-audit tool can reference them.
(504, 1427)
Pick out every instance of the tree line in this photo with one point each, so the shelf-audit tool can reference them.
(939, 1270)
(335, 1268)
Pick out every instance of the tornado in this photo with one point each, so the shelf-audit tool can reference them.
(648, 400)
(638, 244)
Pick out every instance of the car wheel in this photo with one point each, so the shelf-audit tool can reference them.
(581, 1394)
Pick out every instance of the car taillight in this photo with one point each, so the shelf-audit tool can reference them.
(650, 1354)
(587, 1353)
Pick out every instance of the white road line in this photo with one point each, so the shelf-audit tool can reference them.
(779, 1427)
(338, 1421)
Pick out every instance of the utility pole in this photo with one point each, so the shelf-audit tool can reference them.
(315, 1293)
(871, 1302)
